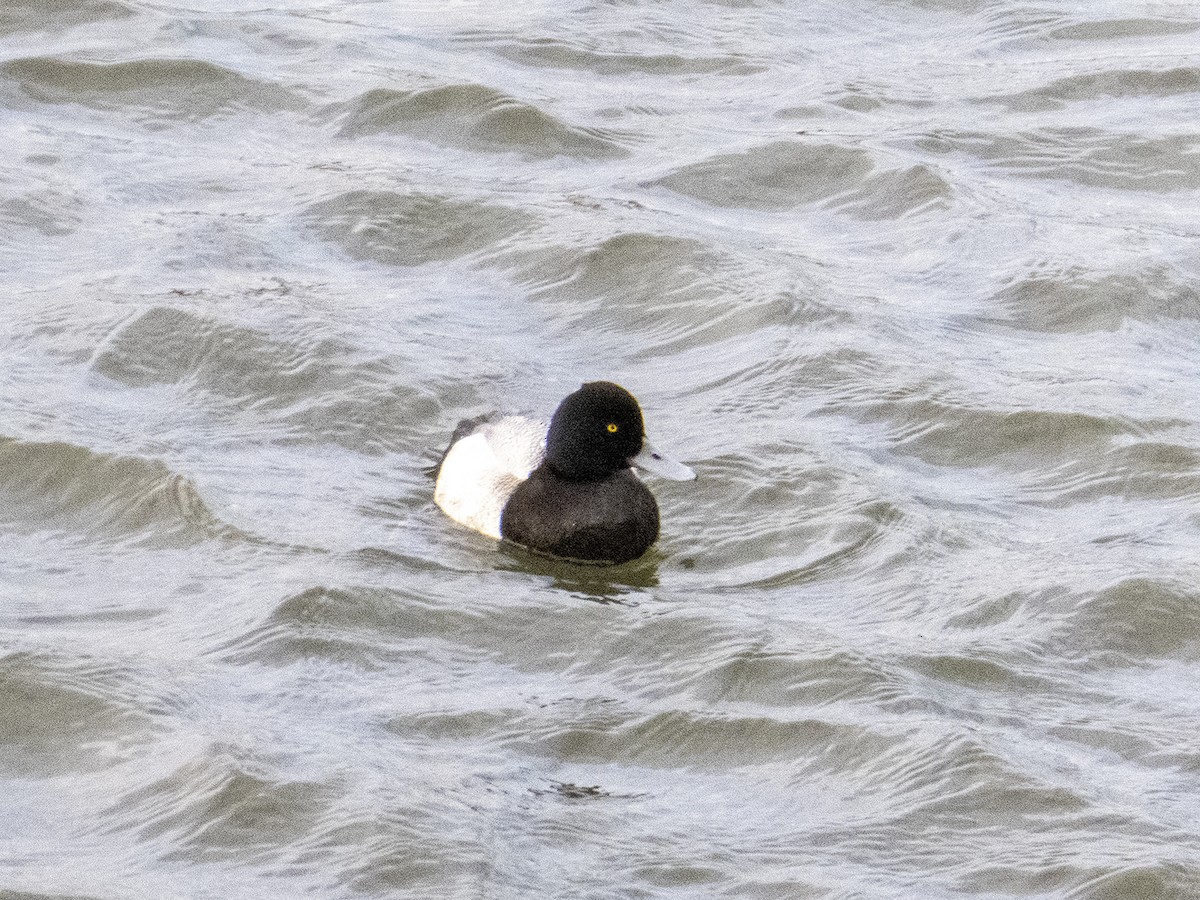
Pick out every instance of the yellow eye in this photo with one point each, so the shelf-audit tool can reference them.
(612, 428)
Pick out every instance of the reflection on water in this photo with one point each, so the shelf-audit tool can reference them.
(911, 285)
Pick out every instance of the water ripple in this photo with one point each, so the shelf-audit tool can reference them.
(59, 717)
(473, 117)
(59, 485)
(555, 53)
(1084, 155)
(35, 15)
(413, 228)
(161, 90)
(221, 807)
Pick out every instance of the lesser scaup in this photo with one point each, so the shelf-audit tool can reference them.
(566, 488)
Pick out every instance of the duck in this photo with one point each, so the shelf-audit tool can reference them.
(565, 488)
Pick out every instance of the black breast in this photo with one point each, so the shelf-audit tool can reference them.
(611, 520)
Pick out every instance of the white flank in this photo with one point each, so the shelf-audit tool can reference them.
(482, 470)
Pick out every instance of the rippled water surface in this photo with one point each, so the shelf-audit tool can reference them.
(911, 283)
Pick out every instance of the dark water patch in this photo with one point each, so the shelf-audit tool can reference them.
(624, 583)
(17, 16)
(1090, 157)
(630, 270)
(61, 718)
(100, 617)
(48, 212)
(808, 111)
(700, 740)
(320, 623)
(555, 53)
(1158, 470)
(681, 876)
(948, 434)
(165, 346)
(858, 99)
(221, 807)
(473, 117)
(358, 609)
(1133, 622)
(1014, 25)
(1045, 872)
(1109, 737)
(988, 612)
(978, 671)
(375, 628)
(1140, 881)
(162, 90)
(774, 178)
(787, 679)
(945, 775)
(673, 293)
(173, 346)
(63, 486)
(895, 194)
(457, 725)
(405, 848)
(1118, 83)
(412, 229)
(1117, 29)
(1146, 470)
(1077, 300)
(837, 371)
(951, 6)
(317, 388)
(278, 645)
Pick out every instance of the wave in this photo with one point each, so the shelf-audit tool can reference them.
(473, 117)
(62, 486)
(161, 90)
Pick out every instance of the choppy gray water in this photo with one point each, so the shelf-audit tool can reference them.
(912, 285)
